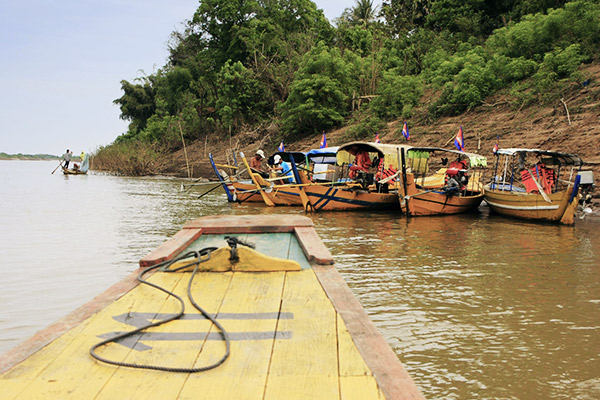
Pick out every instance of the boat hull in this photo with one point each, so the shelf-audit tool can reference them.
(73, 172)
(532, 205)
(433, 203)
(331, 198)
(243, 192)
(293, 333)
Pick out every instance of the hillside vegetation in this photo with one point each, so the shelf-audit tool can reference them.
(246, 74)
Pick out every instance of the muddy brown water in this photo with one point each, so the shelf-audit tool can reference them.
(476, 306)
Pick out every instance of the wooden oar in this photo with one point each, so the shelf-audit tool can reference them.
(57, 167)
(207, 192)
(540, 189)
(266, 199)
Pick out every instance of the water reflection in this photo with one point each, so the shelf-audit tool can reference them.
(475, 305)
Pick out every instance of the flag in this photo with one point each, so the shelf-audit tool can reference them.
(405, 131)
(496, 145)
(323, 141)
(459, 142)
(377, 139)
(281, 147)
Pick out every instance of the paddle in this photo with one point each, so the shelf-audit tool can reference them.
(208, 191)
(539, 187)
(59, 164)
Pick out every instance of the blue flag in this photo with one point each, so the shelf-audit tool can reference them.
(323, 141)
(377, 139)
(405, 131)
(281, 147)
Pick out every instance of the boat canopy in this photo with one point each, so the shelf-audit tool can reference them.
(322, 156)
(547, 157)
(475, 160)
(299, 157)
(390, 152)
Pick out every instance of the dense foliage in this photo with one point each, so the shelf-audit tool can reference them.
(239, 63)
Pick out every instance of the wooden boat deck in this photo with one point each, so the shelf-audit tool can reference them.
(294, 334)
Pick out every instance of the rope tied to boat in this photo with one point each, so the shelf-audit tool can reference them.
(199, 257)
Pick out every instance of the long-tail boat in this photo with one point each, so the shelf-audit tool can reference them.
(361, 191)
(231, 307)
(273, 190)
(535, 184)
(237, 190)
(438, 181)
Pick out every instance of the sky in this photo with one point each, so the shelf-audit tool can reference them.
(63, 61)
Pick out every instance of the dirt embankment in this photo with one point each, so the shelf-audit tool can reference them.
(570, 125)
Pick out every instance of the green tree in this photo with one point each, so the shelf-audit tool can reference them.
(319, 94)
(241, 97)
(137, 103)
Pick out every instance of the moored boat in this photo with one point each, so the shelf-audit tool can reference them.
(272, 322)
(455, 185)
(535, 184)
(356, 189)
(236, 189)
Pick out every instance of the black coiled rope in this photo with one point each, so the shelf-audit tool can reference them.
(206, 252)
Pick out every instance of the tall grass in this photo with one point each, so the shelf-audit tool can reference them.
(132, 158)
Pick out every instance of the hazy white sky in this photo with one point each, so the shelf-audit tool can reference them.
(62, 63)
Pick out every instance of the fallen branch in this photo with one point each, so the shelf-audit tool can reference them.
(565, 104)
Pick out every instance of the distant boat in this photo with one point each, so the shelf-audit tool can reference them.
(73, 171)
(456, 185)
(78, 169)
(535, 184)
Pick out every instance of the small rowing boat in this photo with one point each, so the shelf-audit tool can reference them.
(535, 184)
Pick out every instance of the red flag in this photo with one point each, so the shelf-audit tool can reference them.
(323, 141)
(377, 138)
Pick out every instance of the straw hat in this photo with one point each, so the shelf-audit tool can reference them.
(260, 153)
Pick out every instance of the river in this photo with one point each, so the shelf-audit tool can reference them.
(476, 306)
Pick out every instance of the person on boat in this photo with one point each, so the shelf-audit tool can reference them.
(362, 161)
(256, 163)
(283, 168)
(67, 158)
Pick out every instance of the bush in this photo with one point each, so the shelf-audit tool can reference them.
(134, 158)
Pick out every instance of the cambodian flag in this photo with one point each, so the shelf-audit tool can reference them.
(405, 131)
(459, 142)
(377, 139)
(281, 147)
(323, 141)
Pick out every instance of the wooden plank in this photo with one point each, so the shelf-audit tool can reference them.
(297, 253)
(359, 388)
(208, 291)
(71, 320)
(350, 360)
(313, 247)
(73, 372)
(248, 223)
(171, 247)
(307, 366)
(391, 376)
(244, 374)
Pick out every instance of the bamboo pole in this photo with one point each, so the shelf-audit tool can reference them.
(187, 163)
